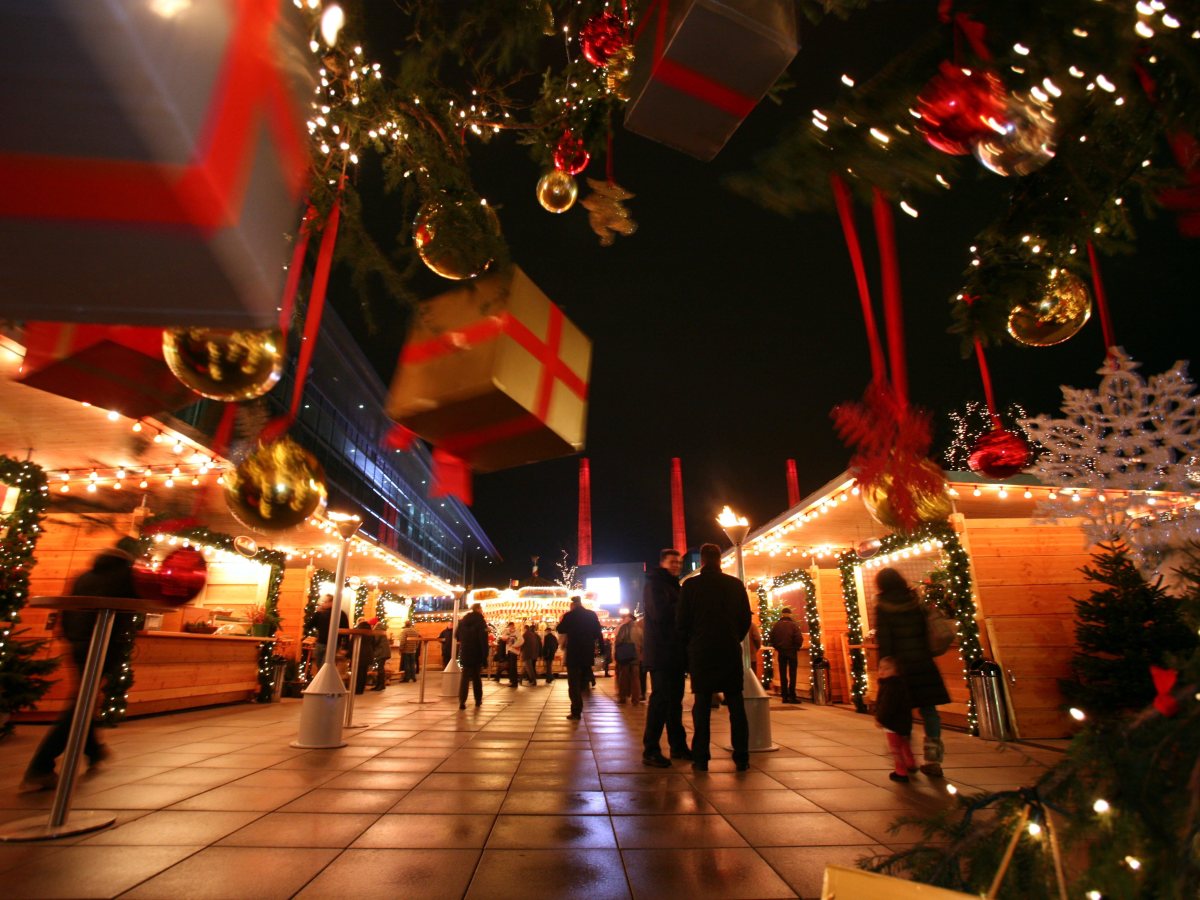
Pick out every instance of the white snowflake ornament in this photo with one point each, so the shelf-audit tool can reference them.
(1137, 437)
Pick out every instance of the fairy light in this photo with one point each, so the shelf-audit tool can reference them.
(1133, 862)
(1101, 806)
(1077, 714)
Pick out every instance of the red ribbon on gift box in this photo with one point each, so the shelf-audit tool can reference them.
(451, 477)
(206, 193)
(686, 79)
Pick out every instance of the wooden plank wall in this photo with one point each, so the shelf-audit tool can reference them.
(1026, 576)
(831, 609)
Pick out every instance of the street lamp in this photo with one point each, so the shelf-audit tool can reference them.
(758, 712)
(324, 699)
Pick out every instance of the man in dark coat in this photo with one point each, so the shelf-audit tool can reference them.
(902, 632)
(472, 654)
(320, 621)
(580, 629)
(111, 575)
(666, 659)
(787, 640)
(713, 620)
(549, 648)
(447, 640)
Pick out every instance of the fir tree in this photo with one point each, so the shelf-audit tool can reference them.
(23, 678)
(1121, 631)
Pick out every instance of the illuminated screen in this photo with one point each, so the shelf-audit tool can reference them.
(607, 590)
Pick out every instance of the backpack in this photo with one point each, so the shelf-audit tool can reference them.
(940, 629)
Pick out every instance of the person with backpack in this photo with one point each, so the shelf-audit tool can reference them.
(902, 631)
(787, 640)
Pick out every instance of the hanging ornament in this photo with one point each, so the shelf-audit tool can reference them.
(277, 487)
(606, 214)
(1057, 316)
(225, 364)
(454, 237)
(956, 106)
(1021, 140)
(619, 71)
(601, 37)
(570, 154)
(882, 498)
(556, 191)
(999, 453)
(548, 28)
(177, 579)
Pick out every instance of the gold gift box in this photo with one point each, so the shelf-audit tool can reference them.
(494, 373)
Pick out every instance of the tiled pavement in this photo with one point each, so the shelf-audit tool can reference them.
(511, 800)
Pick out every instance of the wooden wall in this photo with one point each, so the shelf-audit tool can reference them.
(1026, 576)
(831, 609)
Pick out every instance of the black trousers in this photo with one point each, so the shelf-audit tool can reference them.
(787, 675)
(664, 710)
(549, 668)
(512, 669)
(739, 728)
(578, 679)
(55, 740)
(471, 676)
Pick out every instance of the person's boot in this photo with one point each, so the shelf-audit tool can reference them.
(934, 752)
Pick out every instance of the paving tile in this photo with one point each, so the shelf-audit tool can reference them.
(322, 800)
(778, 801)
(138, 796)
(832, 778)
(292, 829)
(878, 824)
(303, 778)
(371, 781)
(521, 874)
(686, 831)
(389, 874)
(238, 797)
(582, 803)
(661, 780)
(837, 799)
(80, 872)
(730, 781)
(563, 782)
(462, 781)
(662, 803)
(221, 873)
(426, 801)
(170, 827)
(512, 832)
(432, 830)
(796, 829)
(720, 873)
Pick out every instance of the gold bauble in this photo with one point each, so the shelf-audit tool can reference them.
(618, 71)
(556, 191)
(1022, 142)
(454, 237)
(1063, 309)
(225, 364)
(930, 506)
(277, 487)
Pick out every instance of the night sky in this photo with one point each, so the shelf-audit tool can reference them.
(724, 334)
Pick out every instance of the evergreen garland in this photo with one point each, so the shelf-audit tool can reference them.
(319, 577)
(360, 603)
(769, 615)
(22, 675)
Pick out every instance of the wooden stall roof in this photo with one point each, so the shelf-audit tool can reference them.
(63, 435)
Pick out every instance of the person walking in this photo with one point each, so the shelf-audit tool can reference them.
(893, 713)
(625, 652)
(787, 640)
(110, 575)
(472, 654)
(902, 632)
(713, 619)
(549, 650)
(500, 656)
(664, 655)
(605, 654)
(513, 650)
(531, 652)
(383, 652)
(410, 650)
(581, 630)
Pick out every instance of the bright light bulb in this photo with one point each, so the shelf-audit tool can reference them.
(1133, 862)
(1101, 806)
(1077, 714)
(1034, 829)
(332, 21)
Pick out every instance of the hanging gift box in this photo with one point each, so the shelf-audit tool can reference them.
(702, 65)
(115, 367)
(151, 160)
(495, 374)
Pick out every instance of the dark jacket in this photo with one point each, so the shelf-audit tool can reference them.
(320, 621)
(714, 617)
(383, 644)
(531, 646)
(786, 637)
(447, 639)
(582, 628)
(661, 647)
(111, 575)
(473, 640)
(549, 645)
(893, 706)
(901, 632)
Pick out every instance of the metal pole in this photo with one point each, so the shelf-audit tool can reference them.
(81, 721)
(355, 652)
(424, 669)
(451, 674)
(335, 617)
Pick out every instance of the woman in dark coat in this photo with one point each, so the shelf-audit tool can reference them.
(472, 654)
(901, 632)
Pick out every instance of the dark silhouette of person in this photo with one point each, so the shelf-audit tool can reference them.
(472, 654)
(581, 630)
(665, 657)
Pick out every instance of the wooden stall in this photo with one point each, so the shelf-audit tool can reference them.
(1024, 575)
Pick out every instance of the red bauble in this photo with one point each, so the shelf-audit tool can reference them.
(571, 155)
(999, 454)
(601, 37)
(957, 105)
(177, 579)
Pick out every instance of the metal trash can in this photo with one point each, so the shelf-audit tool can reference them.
(987, 691)
(820, 683)
(280, 667)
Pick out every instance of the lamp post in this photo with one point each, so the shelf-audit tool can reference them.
(324, 699)
(758, 712)
(451, 674)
